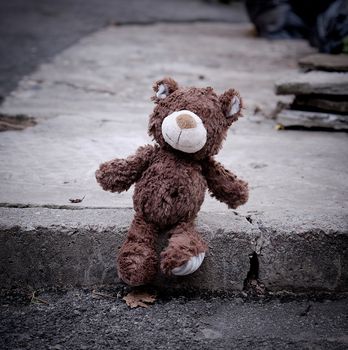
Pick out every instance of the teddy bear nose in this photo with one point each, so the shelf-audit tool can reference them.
(185, 121)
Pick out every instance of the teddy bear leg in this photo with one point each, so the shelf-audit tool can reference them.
(137, 260)
(185, 251)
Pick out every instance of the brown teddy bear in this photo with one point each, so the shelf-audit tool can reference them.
(171, 178)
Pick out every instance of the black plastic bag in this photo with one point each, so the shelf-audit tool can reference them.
(332, 28)
(323, 22)
(275, 19)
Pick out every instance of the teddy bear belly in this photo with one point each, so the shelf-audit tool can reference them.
(165, 199)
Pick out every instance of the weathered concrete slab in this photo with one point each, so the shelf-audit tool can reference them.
(42, 248)
(290, 118)
(92, 104)
(46, 247)
(34, 32)
(300, 253)
(326, 62)
(322, 103)
(314, 83)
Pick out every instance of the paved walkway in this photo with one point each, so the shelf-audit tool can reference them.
(92, 104)
(33, 32)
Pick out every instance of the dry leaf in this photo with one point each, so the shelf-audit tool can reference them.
(255, 287)
(135, 299)
(77, 200)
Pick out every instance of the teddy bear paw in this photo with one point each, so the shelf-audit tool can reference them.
(190, 266)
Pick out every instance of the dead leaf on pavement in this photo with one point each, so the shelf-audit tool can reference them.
(136, 299)
(77, 200)
(255, 287)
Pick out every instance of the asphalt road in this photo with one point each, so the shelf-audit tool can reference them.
(82, 320)
(34, 31)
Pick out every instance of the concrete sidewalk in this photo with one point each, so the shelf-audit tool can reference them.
(92, 104)
(33, 32)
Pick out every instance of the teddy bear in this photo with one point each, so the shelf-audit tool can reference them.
(171, 177)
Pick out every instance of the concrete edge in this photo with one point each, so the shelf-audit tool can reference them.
(44, 248)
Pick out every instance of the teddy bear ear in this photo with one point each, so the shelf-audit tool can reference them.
(164, 88)
(232, 104)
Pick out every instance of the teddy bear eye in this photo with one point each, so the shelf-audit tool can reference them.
(162, 92)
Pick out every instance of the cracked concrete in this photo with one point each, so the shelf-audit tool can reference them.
(97, 126)
(296, 219)
(44, 248)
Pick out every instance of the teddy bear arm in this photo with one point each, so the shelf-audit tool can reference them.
(225, 186)
(119, 175)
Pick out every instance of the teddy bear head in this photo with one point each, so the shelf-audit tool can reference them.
(193, 121)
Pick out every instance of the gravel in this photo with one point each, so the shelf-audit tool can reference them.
(79, 319)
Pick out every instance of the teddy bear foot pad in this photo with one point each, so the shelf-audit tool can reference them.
(190, 266)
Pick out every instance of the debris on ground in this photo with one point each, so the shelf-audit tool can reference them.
(76, 200)
(336, 104)
(305, 312)
(254, 287)
(314, 83)
(324, 62)
(139, 299)
(294, 118)
(321, 97)
(15, 122)
(97, 294)
(35, 299)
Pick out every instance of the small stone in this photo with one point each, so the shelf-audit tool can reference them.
(56, 347)
(238, 301)
(209, 333)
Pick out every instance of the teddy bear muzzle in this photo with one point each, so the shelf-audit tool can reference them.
(184, 131)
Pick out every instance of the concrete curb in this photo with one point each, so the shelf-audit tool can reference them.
(41, 248)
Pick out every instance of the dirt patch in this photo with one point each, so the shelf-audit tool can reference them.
(15, 122)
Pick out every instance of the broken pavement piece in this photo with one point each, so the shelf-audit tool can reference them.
(325, 62)
(295, 118)
(314, 83)
(323, 103)
(76, 200)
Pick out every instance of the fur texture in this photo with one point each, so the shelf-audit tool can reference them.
(170, 185)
